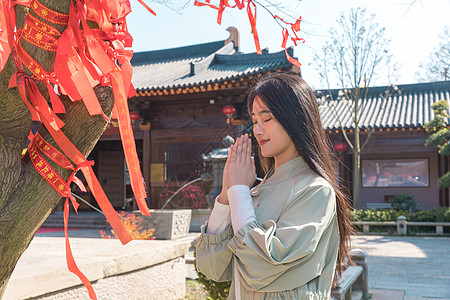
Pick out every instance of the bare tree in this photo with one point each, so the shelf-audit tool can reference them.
(436, 67)
(354, 58)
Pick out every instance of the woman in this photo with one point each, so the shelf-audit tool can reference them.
(284, 238)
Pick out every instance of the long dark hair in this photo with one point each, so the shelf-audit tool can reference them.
(294, 106)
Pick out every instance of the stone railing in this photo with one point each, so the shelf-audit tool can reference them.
(354, 283)
(402, 225)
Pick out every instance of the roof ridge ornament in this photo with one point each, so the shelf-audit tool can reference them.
(234, 37)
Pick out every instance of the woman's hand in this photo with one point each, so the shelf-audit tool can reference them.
(241, 166)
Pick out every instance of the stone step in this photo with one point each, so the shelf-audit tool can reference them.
(84, 221)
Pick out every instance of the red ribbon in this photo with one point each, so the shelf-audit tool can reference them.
(283, 45)
(252, 19)
(63, 188)
(146, 6)
(71, 264)
(295, 27)
(129, 146)
(48, 14)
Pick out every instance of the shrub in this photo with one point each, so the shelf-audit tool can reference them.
(192, 196)
(403, 202)
(377, 215)
(442, 214)
(424, 216)
(216, 290)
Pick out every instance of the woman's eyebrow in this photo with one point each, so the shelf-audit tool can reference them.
(262, 112)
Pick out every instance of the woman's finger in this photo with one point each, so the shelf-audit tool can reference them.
(233, 153)
(248, 150)
(239, 150)
(253, 165)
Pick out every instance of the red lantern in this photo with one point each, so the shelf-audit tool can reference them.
(340, 147)
(229, 111)
(135, 116)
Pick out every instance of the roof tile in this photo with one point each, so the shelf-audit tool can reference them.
(410, 107)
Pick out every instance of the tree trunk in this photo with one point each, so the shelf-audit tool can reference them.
(356, 172)
(26, 199)
(356, 150)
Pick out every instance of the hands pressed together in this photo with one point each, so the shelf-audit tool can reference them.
(239, 168)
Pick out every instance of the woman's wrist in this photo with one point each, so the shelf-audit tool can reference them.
(223, 199)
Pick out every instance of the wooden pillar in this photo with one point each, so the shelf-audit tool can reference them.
(346, 179)
(446, 191)
(146, 163)
(443, 167)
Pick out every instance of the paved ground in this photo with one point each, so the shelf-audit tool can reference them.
(400, 268)
(418, 267)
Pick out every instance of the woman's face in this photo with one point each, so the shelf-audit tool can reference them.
(272, 138)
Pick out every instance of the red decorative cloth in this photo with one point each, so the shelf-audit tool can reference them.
(85, 57)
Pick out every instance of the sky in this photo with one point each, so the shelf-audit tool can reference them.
(413, 27)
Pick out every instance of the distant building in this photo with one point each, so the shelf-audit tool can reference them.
(395, 160)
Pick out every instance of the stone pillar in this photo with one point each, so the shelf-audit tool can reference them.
(401, 225)
(366, 228)
(359, 257)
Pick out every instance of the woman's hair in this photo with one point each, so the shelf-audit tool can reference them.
(294, 106)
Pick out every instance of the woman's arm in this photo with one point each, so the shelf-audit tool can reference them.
(219, 218)
(241, 206)
(213, 256)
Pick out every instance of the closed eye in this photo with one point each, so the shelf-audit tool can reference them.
(254, 123)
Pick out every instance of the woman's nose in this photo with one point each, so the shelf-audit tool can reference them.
(258, 129)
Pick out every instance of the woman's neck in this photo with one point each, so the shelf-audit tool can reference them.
(282, 159)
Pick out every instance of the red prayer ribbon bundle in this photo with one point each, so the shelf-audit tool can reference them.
(84, 58)
(251, 12)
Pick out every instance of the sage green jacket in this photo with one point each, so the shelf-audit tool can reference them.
(290, 251)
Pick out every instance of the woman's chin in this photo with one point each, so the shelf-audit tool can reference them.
(266, 154)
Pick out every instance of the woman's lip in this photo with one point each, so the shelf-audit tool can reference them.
(263, 142)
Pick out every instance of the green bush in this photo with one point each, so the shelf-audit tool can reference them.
(216, 290)
(403, 202)
(442, 214)
(424, 216)
(377, 215)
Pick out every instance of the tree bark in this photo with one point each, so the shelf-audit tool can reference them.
(26, 199)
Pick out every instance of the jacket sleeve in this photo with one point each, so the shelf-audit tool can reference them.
(213, 256)
(298, 239)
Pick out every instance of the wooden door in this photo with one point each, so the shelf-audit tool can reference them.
(111, 174)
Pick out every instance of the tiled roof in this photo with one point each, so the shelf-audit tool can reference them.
(199, 64)
(409, 107)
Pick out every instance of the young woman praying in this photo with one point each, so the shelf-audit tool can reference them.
(288, 237)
